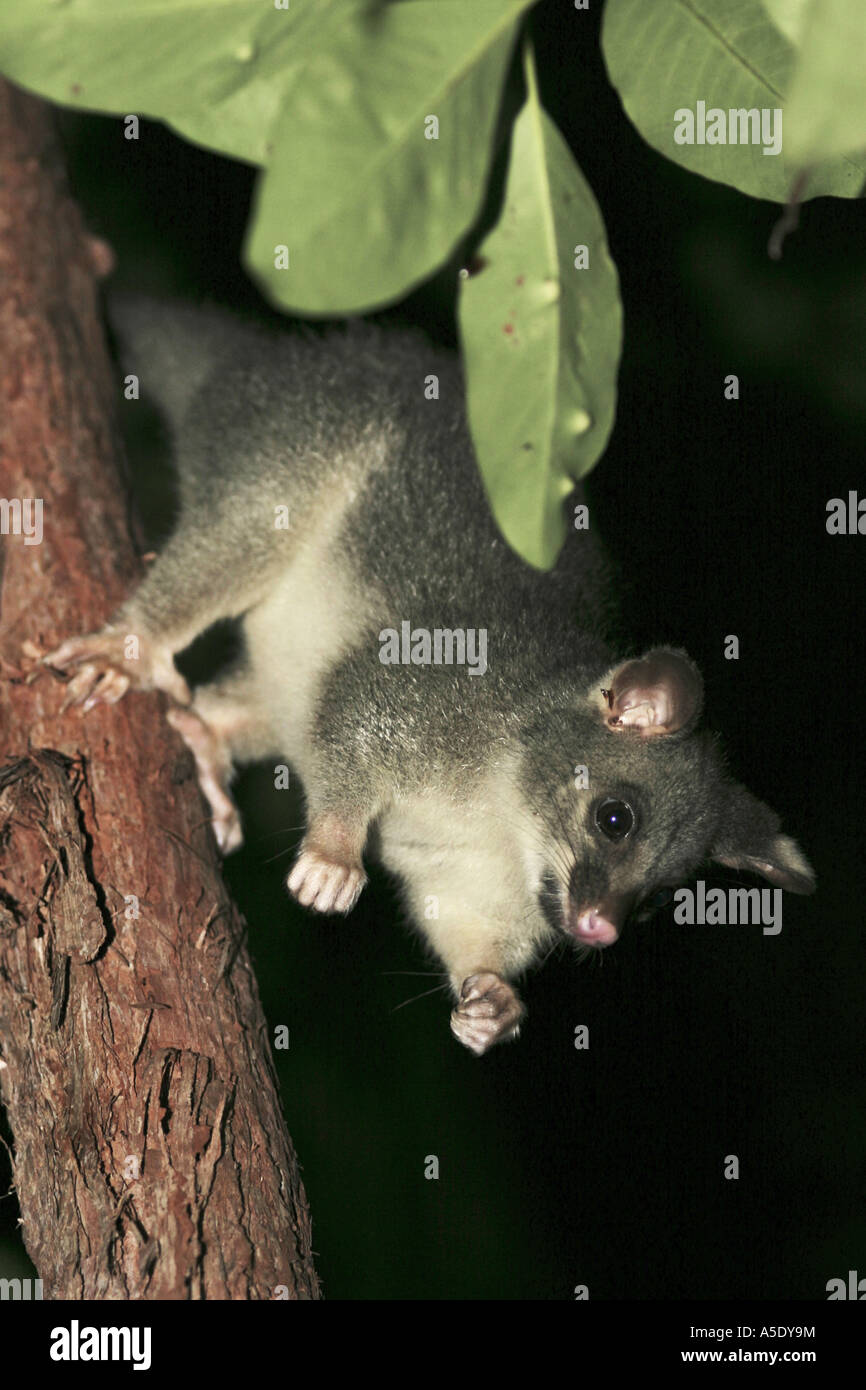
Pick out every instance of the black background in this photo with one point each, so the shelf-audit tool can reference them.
(605, 1167)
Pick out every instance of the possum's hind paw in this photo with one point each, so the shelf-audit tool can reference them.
(325, 884)
(101, 672)
(214, 768)
(488, 1011)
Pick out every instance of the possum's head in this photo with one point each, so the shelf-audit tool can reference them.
(628, 800)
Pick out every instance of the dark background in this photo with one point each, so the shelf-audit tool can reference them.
(605, 1167)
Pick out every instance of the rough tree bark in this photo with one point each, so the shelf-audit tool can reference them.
(151, 1157)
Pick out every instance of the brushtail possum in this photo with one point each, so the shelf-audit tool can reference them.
(434, 693)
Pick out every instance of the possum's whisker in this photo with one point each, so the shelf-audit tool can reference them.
(543, 775)
(280, 854)
(560, 941)
(284, 830)
(428, 974)
(525, 820)
(437, 989)
(568, 756)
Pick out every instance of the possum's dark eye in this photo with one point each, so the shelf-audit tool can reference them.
(646, 910)
(614, 818)
(660, 899)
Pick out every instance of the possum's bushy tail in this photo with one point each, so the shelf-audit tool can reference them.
(170, 346)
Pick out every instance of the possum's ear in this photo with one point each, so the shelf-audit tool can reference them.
(659, 693)
(749, 838)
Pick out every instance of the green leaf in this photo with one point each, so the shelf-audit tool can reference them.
(215, 70)
(826, 113)
(788, 16)
(541, 339)
(366, 204)
(667, 57)
(334, 96)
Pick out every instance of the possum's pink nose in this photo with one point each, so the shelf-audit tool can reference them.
(595, 930)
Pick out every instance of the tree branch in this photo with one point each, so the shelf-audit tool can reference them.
(151, 1156)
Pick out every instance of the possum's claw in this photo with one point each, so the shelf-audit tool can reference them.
(488, 1011)
(91, 686)
(103, 672)
(325, 884)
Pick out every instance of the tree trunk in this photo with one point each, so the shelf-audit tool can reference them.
(151, 1157)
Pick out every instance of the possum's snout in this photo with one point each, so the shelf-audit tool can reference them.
(590, 917)
(592, 929)
(598, 923)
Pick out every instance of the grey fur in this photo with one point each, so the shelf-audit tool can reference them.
(465, 785)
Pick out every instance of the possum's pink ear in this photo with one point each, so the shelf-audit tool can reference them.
(659, 693)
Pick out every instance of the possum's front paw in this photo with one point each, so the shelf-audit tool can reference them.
(487, 1012)
(328, 885)
(107, 663)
